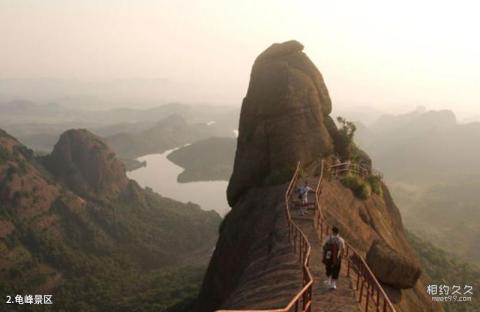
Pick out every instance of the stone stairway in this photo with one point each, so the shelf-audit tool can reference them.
(271, 281)
(324, 299)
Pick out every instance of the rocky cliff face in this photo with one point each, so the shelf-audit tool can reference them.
(285, 119)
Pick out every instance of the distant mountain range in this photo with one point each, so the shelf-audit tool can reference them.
(39, 126)
(21, 112)
(431, 163)
(105, 94)
(423, 146)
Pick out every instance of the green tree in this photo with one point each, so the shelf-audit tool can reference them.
(344, 142)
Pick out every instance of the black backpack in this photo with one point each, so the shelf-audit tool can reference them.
(330, 251)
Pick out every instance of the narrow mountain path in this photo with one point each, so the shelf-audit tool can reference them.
(324, 299)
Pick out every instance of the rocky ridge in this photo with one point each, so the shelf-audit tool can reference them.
(72, 223)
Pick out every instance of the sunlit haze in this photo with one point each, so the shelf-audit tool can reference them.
(390, 55)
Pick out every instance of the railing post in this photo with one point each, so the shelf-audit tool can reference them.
(378, 300)
(288, 230)
(305, 250)
(368, 296)
(302, 253)
(358, 279)
(294, 240)
(311, 298)
(300, 243)
(304, 299)
(292, 233)
(321, 230)
(348, 265)
(361, 289)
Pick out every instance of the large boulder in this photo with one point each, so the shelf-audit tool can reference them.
(392, 268)
(282, 121)
(87, 165)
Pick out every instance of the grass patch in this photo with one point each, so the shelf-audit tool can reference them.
(375, 183)
(358, 185)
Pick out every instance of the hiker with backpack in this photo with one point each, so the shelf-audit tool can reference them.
(303, 196)
(332, 257)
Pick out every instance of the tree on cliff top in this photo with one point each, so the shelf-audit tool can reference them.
(345, 144)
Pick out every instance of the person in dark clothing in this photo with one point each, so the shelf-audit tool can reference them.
(333, 247)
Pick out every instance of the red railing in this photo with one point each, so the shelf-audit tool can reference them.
(349, 167)
(302, 301)
(370, 294)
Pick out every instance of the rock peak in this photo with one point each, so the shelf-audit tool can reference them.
(284, 119)
(281, 49)
(87, 165)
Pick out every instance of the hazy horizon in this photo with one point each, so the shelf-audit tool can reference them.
(391, 57)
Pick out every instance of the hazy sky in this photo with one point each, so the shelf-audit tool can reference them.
(382, 53)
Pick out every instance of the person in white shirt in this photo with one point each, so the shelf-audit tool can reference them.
(303, 195)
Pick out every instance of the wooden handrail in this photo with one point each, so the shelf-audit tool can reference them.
(355, 261)
(302, 301)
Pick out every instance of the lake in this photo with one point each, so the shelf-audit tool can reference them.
(160, 174)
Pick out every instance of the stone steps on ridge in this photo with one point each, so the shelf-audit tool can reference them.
(323, 299)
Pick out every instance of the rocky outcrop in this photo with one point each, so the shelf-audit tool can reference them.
(392, 268)
(252, 251)
(284, 119)
(85, 164)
